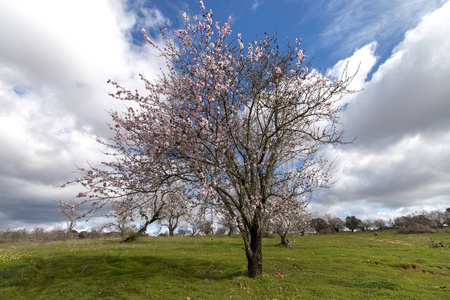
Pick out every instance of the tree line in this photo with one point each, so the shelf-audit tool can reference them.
(188, 224)
(417, 222)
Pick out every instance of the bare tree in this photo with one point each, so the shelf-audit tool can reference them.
(334, 223)
(438, 217)
(379, 224)
(176, 207)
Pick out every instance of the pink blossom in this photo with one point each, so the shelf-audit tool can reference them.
(301, 56)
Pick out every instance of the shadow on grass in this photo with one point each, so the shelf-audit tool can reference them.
(146, 267)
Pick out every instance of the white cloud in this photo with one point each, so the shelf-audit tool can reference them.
(53, 92)
(399, 161)
(357, 66)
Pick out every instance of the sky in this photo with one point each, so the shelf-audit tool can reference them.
(56, 57)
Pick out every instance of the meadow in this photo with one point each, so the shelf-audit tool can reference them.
(341, 266)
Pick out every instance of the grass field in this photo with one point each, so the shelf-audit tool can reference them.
(341, 266)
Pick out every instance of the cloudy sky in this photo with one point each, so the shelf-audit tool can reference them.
(56, 56)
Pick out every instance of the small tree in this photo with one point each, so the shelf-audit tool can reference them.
(286, 219)
(175, 209)
(182, 231)
(123, 215)
(195, 221)
(207, 228)
(229, 224)
(379, 224)
(351, 222)
(70, 211)
(366, 225)
(334, 223)
(320, 225)
(438, 217)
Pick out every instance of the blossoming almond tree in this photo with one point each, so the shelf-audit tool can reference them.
(241, 125)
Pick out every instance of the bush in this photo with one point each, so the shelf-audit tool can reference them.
(416, 229)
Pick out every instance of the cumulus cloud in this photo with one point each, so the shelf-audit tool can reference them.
(399, 161)
(55, 60)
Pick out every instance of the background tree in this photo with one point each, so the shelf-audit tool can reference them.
(229, 224)
(366, 225)
(413, 219)
(176, 207)
(334, 223)
(286, 220)
(379, 224)
(438, 217)
(148, 206)
(240, 125)
(351, 222)
(320, 225)
(70, 211)
(123, 216)
(207, 227)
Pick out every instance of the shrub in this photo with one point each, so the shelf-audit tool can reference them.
(415, 229)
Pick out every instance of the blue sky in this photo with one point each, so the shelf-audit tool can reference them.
(56, 56)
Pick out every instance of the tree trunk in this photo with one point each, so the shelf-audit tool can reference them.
(286, 242)
(132, 237)
(253, 252)
(171, 231)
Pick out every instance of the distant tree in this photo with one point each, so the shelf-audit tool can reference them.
(207, 228)
(438, 217)
(182, 231)
(447, 216)
(286, 219)
(194, 222)
(379, 224)
(366, 225)
(123, 216)
(70, 211)
(410, 220)
(334, 223)
(175, 208)
(229, 224)
(320, 225)
(149, 207)
(221, 230)
(351, 222)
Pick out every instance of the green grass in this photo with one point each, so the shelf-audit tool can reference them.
(341, 266)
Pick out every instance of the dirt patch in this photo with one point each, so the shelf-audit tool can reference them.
(411, 268)
(442, 268)
(387, 241)
(414, 268)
